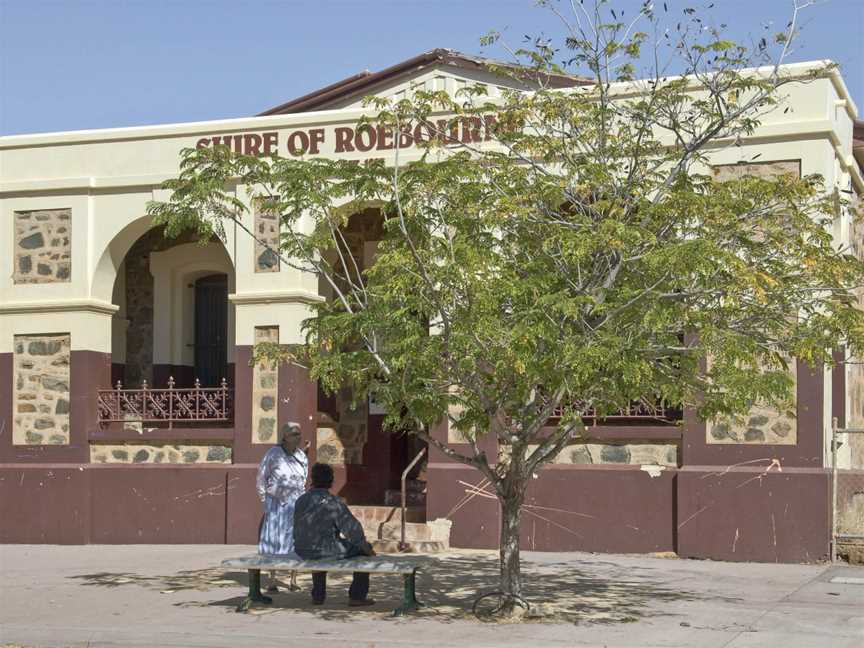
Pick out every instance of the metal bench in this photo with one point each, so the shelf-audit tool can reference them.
(403, 565)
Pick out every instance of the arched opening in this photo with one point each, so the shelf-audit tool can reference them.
(368, 460)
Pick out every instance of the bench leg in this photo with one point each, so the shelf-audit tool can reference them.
(409, 595)
(255, 595)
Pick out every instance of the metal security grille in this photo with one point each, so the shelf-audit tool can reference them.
(847, 493)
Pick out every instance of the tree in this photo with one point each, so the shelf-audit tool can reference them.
(581, 260)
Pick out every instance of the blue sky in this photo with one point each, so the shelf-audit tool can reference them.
(76, 64)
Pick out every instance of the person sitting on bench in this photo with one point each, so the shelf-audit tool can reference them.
(324, 528)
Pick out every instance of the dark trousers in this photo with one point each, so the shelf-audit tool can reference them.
(357, 592)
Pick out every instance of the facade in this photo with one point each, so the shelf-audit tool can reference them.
(131, 412)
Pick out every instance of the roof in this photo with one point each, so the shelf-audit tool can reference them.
(365, 80)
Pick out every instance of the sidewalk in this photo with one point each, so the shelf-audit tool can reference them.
(158, 596)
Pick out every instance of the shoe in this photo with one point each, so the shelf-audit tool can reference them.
(360, 602)
(317, 602)
(273, 589)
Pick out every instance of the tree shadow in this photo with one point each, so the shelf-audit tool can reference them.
(447, 586)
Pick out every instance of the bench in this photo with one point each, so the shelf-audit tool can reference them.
(403, 565)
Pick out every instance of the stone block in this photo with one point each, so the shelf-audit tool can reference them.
(42, 254)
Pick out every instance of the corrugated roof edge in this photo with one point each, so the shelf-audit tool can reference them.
(353, 84)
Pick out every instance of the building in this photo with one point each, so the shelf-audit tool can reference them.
(130, 411)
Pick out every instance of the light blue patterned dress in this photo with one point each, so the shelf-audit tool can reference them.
(281, 480)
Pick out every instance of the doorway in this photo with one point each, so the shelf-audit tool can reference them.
(211, 329)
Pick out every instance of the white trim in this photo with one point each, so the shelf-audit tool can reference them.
(276, 297)
(60, 305)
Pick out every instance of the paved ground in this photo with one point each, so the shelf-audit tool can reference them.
(160, 596)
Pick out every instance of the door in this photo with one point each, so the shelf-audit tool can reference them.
(211, 329)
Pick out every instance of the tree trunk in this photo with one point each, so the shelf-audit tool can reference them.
(511, 573)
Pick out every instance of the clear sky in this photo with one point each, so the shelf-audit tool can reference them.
(76, 64)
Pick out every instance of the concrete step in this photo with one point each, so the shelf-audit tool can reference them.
(374, 515)
(413, 531)
(418, 546)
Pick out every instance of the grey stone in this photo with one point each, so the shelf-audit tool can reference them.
(141, 456)
(42, 216)
(580, 455)
(615, 454)
(267, 403)
(33, 438)
(781, 428)
(55, 242)
(43, 269)
(218, 453)
(268, 260)
(268, 380)
(754, 434)
(62, 406)
(672, 455)
(55, 384)
(32, 242)
(62, 361)
(159, 457)
(719, 431)
(44, 424)
(266, 428)
(19, 383)
(25, 264)
(191, 456)
(57, 439)
(757, 421)
(19, 347)
(121, 455)
(43, 347)
(63, 271)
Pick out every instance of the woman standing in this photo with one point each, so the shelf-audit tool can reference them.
(281, 480)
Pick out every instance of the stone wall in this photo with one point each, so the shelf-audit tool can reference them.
(41, 389)
(341, 442)
(159, 452)
(762, 425)
(43, 253)
(267, 231)
(660, 454)
(265, 390)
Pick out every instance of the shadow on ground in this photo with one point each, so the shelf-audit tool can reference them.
(447, 585)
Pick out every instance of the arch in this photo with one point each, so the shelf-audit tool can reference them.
(114, 252)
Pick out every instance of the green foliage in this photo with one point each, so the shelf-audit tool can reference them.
(583, 260)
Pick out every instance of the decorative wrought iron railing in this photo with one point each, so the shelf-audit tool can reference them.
(171, 405)
(638, 413)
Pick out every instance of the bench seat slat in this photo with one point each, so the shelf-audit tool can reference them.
(370, 564)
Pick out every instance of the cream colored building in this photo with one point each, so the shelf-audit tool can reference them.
(91, 295)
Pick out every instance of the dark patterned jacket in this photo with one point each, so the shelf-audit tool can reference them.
(325, 528)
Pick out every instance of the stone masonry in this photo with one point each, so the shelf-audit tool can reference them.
(762, 425)
(265, 390)
(266, 231)
(159, 452)
(43, 253)
(659, 454)
(41, 389)
(343, 442)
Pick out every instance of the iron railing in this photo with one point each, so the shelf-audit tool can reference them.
(171, 405)
(636, 412)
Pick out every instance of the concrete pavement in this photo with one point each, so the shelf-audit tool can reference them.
(177, 596)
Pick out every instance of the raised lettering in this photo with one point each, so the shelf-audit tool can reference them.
(405, 138)
(271, 143)
(344, 135)
(384, 136)
(238, 144)
(316, 137)
(293, 147)
(369, 132)
(252, 144)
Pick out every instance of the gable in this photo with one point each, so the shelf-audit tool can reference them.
(439, 69)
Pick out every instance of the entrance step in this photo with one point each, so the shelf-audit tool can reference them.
(375, 515)
(417, 546)
(393, 497)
